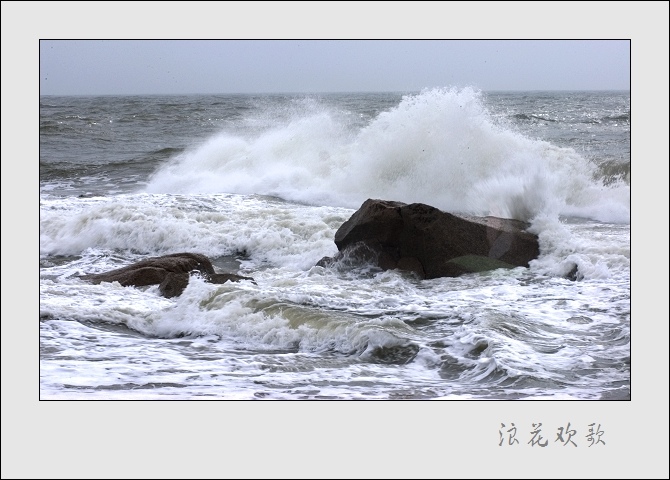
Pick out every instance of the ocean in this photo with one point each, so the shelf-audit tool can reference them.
(261, 183)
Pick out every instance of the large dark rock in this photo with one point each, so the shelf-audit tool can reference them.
(433, 243)
(170, 272)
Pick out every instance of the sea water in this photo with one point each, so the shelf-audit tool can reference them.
(261, 183)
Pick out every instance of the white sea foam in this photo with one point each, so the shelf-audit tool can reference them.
(306, 331)
(441, 147)
(270, 231)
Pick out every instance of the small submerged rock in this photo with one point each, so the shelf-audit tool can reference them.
(175, 283)
(395, 354)
(574, 274)
(580, 320)
(170, 272)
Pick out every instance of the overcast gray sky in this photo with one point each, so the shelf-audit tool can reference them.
(92, 67)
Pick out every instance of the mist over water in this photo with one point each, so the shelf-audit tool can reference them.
(441, 147)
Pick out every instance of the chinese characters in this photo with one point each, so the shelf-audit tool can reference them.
(566, 436)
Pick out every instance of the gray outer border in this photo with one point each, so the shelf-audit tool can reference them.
(328, 439)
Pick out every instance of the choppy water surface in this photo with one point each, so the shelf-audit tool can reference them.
(260, 184)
